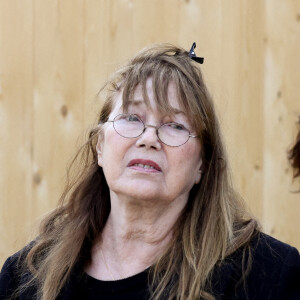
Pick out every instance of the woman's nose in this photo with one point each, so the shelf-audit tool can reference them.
(149, 138)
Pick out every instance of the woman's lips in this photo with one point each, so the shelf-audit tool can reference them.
(145, 165)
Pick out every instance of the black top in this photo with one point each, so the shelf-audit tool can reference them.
(131, 288)
(275, 275)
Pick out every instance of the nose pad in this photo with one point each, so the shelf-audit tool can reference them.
(149, 138)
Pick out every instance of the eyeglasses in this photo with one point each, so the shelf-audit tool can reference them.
(131, 126)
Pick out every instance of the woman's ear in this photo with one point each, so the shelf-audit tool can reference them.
(99, 150)
(198, 176)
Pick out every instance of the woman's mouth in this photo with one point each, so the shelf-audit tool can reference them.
(144, 165)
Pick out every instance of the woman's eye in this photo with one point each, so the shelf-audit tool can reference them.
(176, 126)
(132, 118)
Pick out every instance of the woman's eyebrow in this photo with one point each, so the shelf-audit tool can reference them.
(177, 111)
(136, 102)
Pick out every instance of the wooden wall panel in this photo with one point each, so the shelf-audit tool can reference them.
(58, 94)
(281, 209)
(55, 55)
(16, 123)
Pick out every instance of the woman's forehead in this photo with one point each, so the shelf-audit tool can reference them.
(138, 102)
(146, 96)
(140, 93)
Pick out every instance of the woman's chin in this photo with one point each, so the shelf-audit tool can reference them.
(147, 194)
(140, 188)
(140, 192)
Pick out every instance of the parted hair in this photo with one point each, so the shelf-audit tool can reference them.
(213, 224)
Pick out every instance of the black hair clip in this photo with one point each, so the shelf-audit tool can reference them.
(193, 56)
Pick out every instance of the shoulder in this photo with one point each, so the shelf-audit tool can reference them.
(13, 273)
(275, 266)
(266, 249)
(265, 243)
(272, 268)
(272, 256)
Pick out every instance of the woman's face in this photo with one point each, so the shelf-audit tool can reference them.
(176, 170)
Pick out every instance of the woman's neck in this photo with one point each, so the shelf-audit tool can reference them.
(135, 235)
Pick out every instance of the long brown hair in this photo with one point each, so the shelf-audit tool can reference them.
(213, 224)
(294, 155)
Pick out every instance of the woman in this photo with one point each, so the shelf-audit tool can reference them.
(152, 214)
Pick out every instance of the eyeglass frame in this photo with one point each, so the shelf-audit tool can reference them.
(151, 126)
